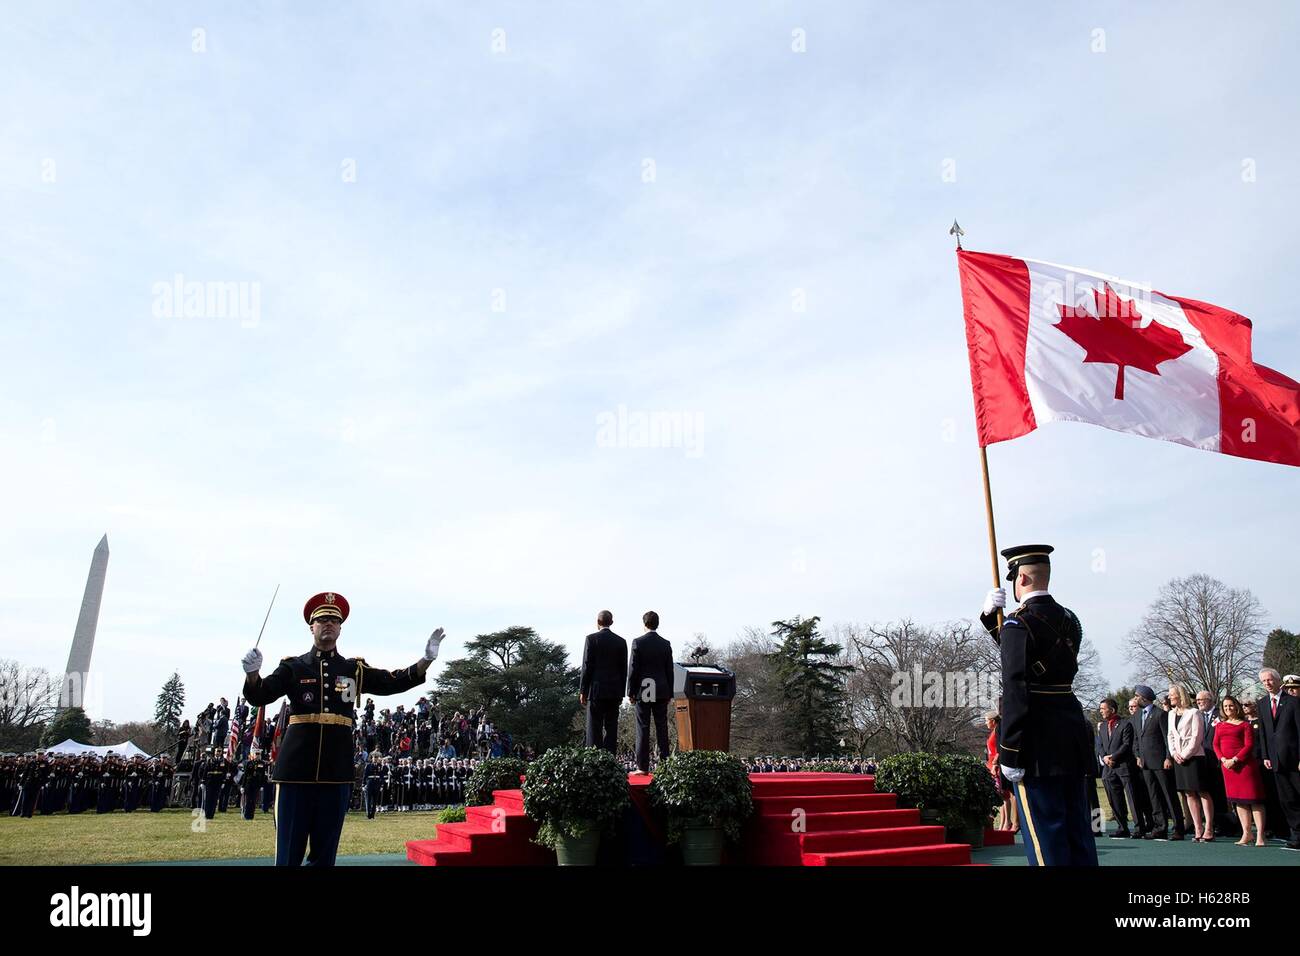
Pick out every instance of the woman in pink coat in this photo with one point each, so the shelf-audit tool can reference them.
(1187, 748)
(1234, 745)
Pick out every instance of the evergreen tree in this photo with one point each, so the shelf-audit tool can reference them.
(812, 685)
(525, 685)
(168, 709)
(69, 724)
(1282, 651)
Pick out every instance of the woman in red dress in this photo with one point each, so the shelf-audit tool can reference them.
(1234, 746)
(1003, 785)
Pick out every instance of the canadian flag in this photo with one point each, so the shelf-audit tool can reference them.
(1054, 343)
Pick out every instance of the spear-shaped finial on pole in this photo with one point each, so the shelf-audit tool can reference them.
(957, 231)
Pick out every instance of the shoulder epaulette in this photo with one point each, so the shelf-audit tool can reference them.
(359, 660)
(289, 658)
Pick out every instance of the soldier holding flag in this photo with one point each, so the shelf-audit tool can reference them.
(1045, 744)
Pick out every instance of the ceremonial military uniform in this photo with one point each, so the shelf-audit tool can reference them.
(252, 780)
(313, 772)
(1043, 730)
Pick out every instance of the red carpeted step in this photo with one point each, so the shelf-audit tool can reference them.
(944, 854)
(772, 840)
(850, 820)
(831, 783)
(432, 853)
(498, 816)
(824, 803)
(998, 837)
(840, 841)
(510, 799)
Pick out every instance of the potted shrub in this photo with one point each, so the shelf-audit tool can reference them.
(575, 794)
(494, 773)
(918, 781)
(972, 799)
(955, 790)
(707, 796)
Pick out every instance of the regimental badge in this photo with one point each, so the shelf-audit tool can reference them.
(307, 697)
(329, 597)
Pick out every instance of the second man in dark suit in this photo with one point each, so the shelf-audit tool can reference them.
(650, 688)
(604, 675)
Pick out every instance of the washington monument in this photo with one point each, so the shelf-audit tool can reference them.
(77, 672)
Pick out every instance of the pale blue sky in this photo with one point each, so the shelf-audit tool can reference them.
(383, 431)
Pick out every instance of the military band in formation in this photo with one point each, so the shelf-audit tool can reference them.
(404, 783)
(42, 784)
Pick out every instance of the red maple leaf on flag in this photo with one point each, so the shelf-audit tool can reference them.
(1114, 336)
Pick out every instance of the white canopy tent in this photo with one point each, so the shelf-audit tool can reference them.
(124, 749)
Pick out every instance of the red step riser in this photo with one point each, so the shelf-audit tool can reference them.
(795, 788)
(435, 853)
(882, 839)
(496, 817)
(834, 803)
(949, 854)
(779, 825)
(510, 799)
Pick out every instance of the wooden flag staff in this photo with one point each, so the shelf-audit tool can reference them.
(957, 231)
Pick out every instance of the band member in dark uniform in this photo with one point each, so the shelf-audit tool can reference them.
(313, 772)
(372, 782)
(161, 787)
(1045, 748)
(132, 785)
(252, 780)
(213, 782)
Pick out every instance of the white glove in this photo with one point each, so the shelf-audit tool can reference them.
(1014, 774)
(431, 648)
(252, 661)
(995, 599)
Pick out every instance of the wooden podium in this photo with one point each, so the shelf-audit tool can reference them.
(702, 706)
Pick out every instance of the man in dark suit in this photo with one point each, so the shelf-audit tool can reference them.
(604, 675)
(1151, 736)
(1279, 723)
(650, 688)
(1115, 753)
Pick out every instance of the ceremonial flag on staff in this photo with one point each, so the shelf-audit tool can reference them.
(232, 744)
(281, 722)
(1053, 343)
(259, 726)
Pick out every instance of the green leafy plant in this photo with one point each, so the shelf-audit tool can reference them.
(494, 773)
(826, 766)
(571, 791)
(708, 787)
(958, 786)
(974, 796)
(450, 815)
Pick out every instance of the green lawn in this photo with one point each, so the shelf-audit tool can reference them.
(119, 837)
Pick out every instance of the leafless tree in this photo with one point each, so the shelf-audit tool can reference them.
(757, 715)
(27, 699)
(1201, 633)
(920, 688)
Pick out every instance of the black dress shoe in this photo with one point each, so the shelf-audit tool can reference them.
(1120, 835)
(1138, 835)
(1157, 835)
(1176, 836)
(1291, 845)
